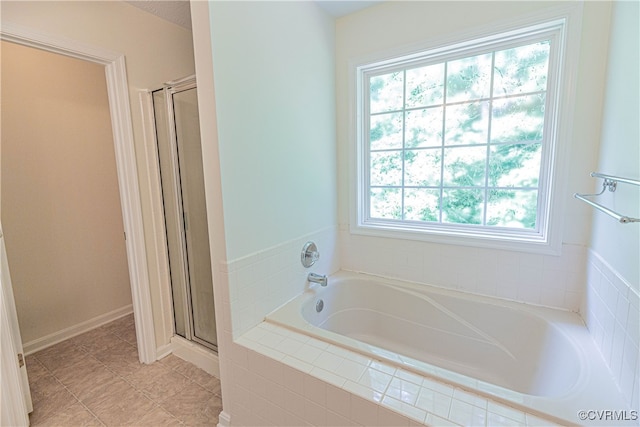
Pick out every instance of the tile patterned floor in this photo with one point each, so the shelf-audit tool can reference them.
(95, 379)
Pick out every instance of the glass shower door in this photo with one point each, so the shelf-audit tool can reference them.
(180, 155)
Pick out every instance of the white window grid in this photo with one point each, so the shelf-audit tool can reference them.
(552, 32)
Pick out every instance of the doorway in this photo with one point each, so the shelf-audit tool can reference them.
(63, 224)
(119, 106)
(177, 130)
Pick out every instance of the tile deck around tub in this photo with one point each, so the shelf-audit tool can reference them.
(421, 399)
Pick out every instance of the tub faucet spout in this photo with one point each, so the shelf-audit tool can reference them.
(317, 278)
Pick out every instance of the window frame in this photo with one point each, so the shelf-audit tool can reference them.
(563, 26)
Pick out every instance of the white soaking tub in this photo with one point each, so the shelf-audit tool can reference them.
(538, 359)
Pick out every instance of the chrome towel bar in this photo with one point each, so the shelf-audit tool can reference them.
(615, 178)
(610, 183)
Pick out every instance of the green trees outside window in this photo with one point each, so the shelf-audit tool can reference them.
(459, 141)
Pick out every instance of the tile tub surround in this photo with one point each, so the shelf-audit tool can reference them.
(539, 359)
(261, 282)
(285, 378)
(548, 280)
(612, 313)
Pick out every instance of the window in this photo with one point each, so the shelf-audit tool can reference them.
(462, 140)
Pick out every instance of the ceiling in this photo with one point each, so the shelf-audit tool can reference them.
(340, 8)
(178, 11)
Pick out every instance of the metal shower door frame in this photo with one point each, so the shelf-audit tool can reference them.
(170, 89)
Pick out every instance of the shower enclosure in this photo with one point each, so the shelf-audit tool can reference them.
(180, 160)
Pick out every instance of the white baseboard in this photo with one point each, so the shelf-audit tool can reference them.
(70, 332)
(164, 351)
(224, 420)
(201, 357)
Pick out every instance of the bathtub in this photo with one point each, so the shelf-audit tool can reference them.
(533, 358)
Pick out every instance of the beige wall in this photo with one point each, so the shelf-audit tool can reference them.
(155, 50)
(61, 216)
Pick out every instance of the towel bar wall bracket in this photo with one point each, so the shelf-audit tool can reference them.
(610, 183)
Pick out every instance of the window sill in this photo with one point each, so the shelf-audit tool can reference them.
(530, 244)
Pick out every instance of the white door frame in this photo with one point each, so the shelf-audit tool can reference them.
(15, 396)
(117, 88)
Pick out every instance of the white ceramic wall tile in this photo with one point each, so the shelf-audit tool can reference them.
(411, 411)
(533, 421)
(375, 379)
(635, 394)
(472, 399)
(350, 370)
(464, 413)
(434, 420)
(390, 418)
(349, 355)
(357, 391)
(315, 413)
(496, 408)
(337, 420)
(315, 390)
(329, 361)
(498, 420)
(555, 281)
(294, 403)
(308, 354)
(298, 364)
(437, 386)
(261, 282)
(434, 403)
(613, 317)
(338, 401)
(403, 391)
(363, 412)
(294, 380)
(328, 377)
